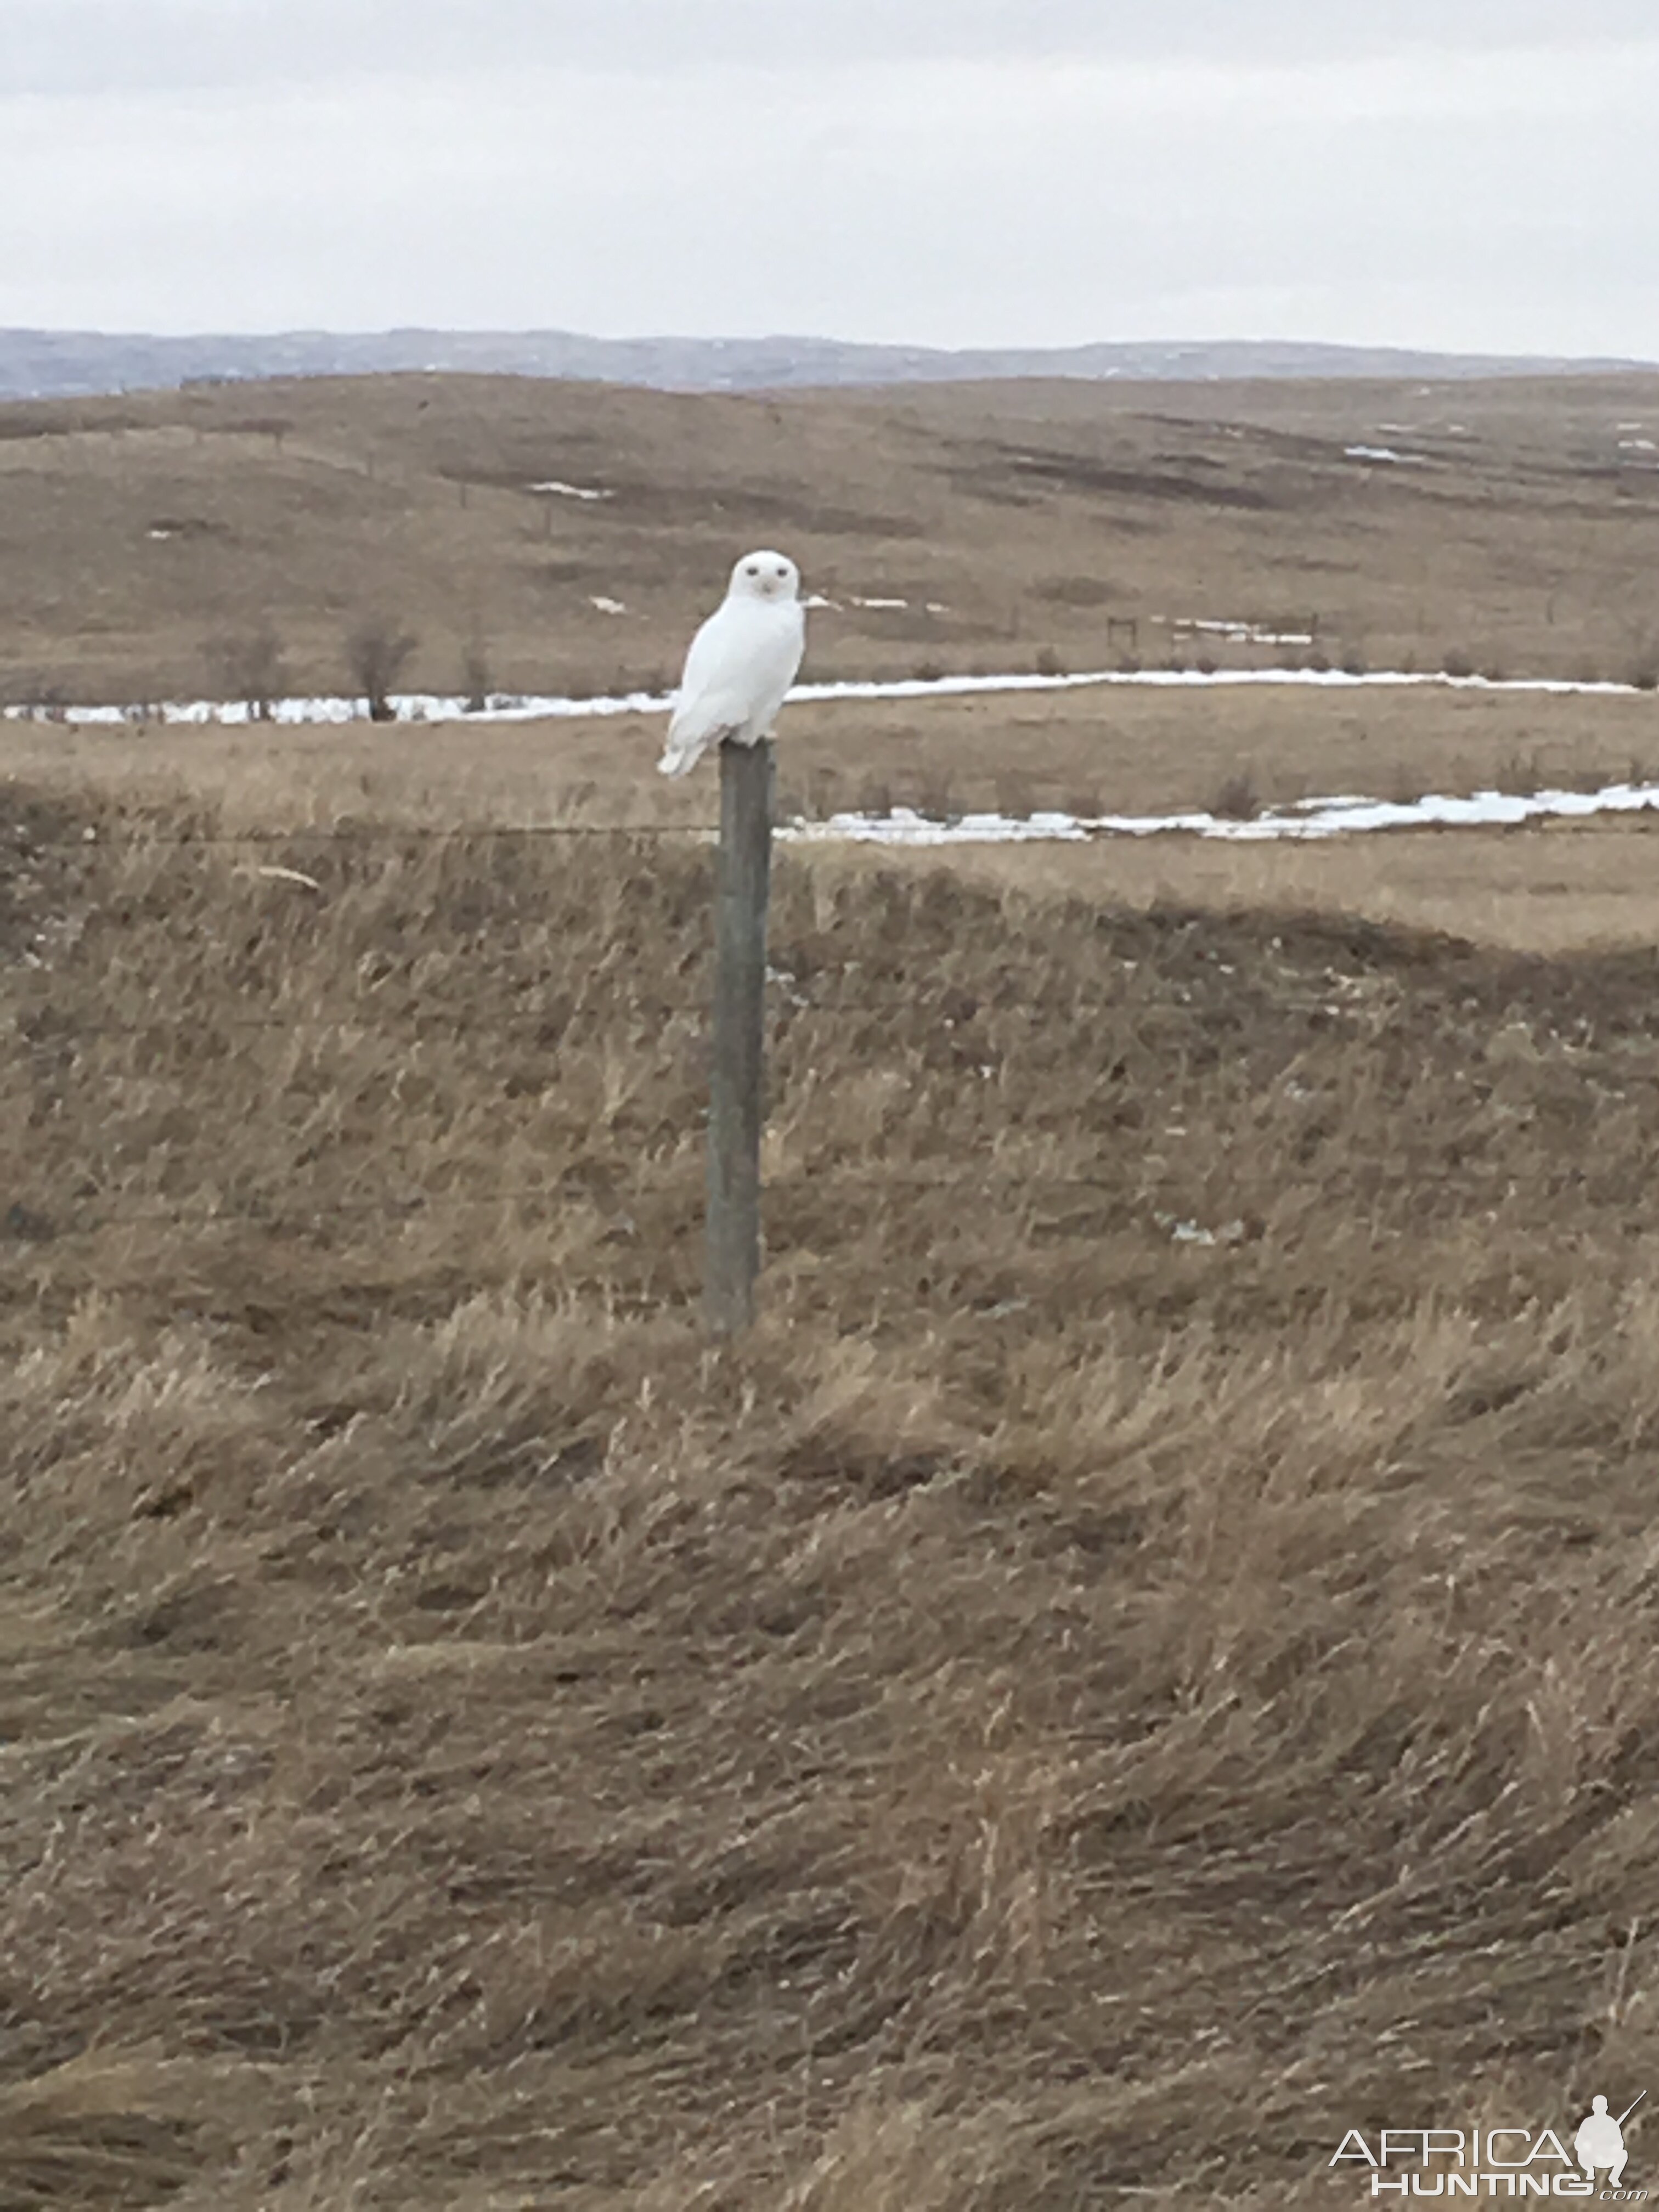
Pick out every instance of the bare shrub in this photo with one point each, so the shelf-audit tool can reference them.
(377, 652)
(1049, 661)
(935, 791)
(1236, 799)
(1353, 661)
(822, 793)
(1015, 792)
(1457, 663)
(251, 665)
(1521, 774)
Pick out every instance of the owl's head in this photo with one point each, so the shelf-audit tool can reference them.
(765, 576)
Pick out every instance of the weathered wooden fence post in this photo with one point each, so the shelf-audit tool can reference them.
(736, 1105)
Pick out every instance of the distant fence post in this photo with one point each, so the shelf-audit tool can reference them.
(736, 1105)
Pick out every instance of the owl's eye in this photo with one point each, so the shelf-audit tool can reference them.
(753, 569)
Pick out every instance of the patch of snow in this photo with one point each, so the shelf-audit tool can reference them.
(531, 706)
(904, 826)
(572, 491)
(818, 600)
(1308, 819)
(1625, 445)
(881, 603)
(1190, 1233)
(1239, 633)
(1397, 430)
(937, 607)
(607, 606)
(1386, 453)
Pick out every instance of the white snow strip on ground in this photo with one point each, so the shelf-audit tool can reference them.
(534, 706)
(1385, 454)
(607, 606)
(1237, 633)
(1311, 818)
(881, 603)
(572, 491)
(1240, 633)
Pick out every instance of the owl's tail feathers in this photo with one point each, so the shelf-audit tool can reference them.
(693, 731)
(680, 757)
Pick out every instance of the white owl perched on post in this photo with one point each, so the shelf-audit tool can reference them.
(741, 663)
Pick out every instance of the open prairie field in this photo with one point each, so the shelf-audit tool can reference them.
(982, 526)
(1144, 1660)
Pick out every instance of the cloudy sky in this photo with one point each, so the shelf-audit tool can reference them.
(1480, 174)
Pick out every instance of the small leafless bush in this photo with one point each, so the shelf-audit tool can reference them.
(1236, 799)
(377, 652)
(1049, 661)
(252, 667)
(1521, 774)
(935, 793)
(1457, 663)
(1016, 793)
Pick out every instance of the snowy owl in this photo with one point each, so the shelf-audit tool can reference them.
(741, 663)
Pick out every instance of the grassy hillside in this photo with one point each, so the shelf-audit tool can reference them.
(142, 538)
(1144, 1662)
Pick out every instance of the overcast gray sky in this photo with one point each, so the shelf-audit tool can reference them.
(1480, 174)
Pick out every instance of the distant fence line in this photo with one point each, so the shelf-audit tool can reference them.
(445, 708)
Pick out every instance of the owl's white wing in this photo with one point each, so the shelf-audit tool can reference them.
(740, 669)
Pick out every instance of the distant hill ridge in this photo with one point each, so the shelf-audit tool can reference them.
(36, 364)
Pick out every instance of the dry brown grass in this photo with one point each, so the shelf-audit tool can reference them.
(1063, 1715)
(137, 533)
(1109, 749)
(1544, 887)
